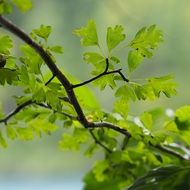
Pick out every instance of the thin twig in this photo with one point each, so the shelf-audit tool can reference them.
(95, 78)
(98, 142)
(171, 152)
(51, 65)
(123, 77)
(64, 113)
(14, 112)
(49, 80)
(111, 126)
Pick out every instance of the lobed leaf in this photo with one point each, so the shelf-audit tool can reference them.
(114, 36)
(43, 32)
(88, 34)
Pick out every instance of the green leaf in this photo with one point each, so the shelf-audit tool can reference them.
(146, 40)
(114, 36)
(160, 178)
(143, 92)
(41, 125)
(164, 84)
(183, 113)
(3, 143)
(96, 59)
(31, 59)
(182, 118)
(39, 95)
(44, 32)
(99, 169)
(7, 75)
(121, 106)
(126, 93)
(134, 59)
(57, 49)
(5, 7)
(23, 5)
(88, 34)
(25, 134)
(146, 119)
(6, 44)
(106, 80)
(11, 132)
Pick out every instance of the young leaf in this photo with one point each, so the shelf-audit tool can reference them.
(43, 31)
(3, 143)
(114, 36)
(57, 49)
(134, 59)
(88, 34)
(146, 119)
(163, 84)
(146, 40)
(7, 75)
(23, 5)
(32, 60)
(6, 44)
(5, 7)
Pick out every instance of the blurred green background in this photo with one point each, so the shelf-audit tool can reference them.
(42, 159)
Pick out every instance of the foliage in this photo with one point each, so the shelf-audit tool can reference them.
(147, 151)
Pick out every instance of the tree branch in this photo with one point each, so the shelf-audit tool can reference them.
(51, 65)
(95, 78)
(171, 152)
(98, 142)
(105, 72)
(111, 126)
(49, 80)
(14, 112)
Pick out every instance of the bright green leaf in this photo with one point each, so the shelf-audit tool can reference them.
(134, 59)
(23, 5)
(6, 44)
(88, 34)
(114, 36)
(43, 32)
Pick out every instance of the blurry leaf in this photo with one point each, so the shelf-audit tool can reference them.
(134, 59)
(6, 44)
(57, 49)
(3, 143)
(183, 113)
(25, 134)
(114, 36)
(115, 59)
(7, 75)
(40, 125)
(146, 119)
(11, 132)
(23, 5)
(43, 31)
(88, 34)
(32, 60)
(163, 84)
(5, 7)
(91, 183)
(99, 169)
(160, 178)
(121, 106)
(39, 95)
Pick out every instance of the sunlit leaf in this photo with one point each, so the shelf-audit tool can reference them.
(88, 34)
(114, 36)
